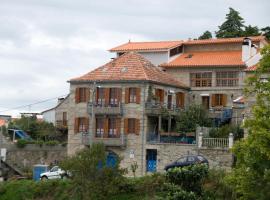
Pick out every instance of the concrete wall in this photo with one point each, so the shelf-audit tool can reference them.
(34, 154)
(49, 116)
(62, 107)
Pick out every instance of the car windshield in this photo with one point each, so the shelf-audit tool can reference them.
(191, 159)
(181, 160)
(54, 169)
(200, 158)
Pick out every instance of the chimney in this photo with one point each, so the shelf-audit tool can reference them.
(253, 50)
(246, 49)
(60, 100)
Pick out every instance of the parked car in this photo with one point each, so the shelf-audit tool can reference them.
(187, 160)
(54, 173)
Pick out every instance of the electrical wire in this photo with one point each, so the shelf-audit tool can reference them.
(31, 104)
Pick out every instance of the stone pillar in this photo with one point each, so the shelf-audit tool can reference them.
(200, 140)
(230, 140)
(159, 122)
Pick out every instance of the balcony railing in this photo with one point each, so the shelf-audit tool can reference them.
(154, 108)
(170, 139)
(102, 109)
(61, 123)
(215, 142)
(108, 141)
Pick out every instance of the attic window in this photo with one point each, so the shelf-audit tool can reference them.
(189, 56)
(124, 69)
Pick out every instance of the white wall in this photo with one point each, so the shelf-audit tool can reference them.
(156, 57)
(49, 116)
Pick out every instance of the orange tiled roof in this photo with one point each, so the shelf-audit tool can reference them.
(223, 40)
(251, 68)
(130, 67)
(147, 46)
(209, 58)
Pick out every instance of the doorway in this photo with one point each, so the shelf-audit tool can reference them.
(169, 101)
(151, 160)
(205, 102)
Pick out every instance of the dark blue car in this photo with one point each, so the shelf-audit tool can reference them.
(187, 160)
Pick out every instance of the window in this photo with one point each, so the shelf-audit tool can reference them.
(131, 125)
(181, 160)
(112, 128)
(191, 159)
(176, 51)
(180, 100)
(100, 96)
(227, 79)
(114, 96)
(132, 95)
(64, 118)
(81, 124)
(99, 127)
(201, 79)
(219, 100)
(82, 95)
(160, 95)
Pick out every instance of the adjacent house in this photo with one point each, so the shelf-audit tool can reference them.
(130, 103)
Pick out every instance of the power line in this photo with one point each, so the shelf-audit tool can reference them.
(31, 104)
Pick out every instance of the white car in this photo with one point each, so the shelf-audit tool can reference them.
(54, 173)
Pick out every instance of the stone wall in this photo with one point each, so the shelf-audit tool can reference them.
(34, 154)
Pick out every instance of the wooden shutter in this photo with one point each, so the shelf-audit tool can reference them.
(127, 95)
(107, 96)
(76, 125)
(77, 95)
(213, 100)
(106, 127)
(224, 100)
(126, 126)
(161, 96)
(119, 94)
(182, 100)
(137, 126)
(177, 100)
(97, 94)
(138, 95)
(118, 127)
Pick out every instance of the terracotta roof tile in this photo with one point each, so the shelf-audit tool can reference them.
(223, 40)
(147, 46)
(130, 67)
(205, 59)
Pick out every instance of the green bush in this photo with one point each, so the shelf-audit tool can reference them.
(21, 143)
(189, 178)
(224, 131)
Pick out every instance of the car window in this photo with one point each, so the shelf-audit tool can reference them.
(200, 158)
(181, 160)
(54, 169)
(191, 159)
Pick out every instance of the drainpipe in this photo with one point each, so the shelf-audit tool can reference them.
(142, 152)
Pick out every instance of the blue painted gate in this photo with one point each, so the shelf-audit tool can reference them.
(111, 159)
(151, 160)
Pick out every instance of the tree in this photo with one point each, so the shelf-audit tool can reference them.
(251, 31)
(194, 116)
(251, 176)
(205, 35)
(232, 27)
(91, 178)
(266, 32)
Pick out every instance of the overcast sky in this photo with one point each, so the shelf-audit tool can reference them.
(44, 43)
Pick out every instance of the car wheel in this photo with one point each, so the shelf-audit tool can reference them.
(44, 178)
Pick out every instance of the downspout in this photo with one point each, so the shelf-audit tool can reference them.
(142, 152)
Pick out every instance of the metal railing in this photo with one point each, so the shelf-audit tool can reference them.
(159, 139)
(107, 141)
(157, 108)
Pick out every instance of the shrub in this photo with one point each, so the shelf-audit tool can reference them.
(189, 178)
(224, 131)
(21, 143)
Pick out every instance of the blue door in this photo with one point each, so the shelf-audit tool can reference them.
(151, 160)
(111, 159)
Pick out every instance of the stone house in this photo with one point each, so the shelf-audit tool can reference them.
(129, 104)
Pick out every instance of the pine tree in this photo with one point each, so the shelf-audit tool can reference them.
(205, 35)
(251, 31)
(232, 27)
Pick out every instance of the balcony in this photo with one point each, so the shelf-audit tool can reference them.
(171, 138)
(102, 109)
(153, 108)
(61, 124)
(221, 115)
(109, 142)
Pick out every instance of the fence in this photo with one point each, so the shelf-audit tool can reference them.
(215, 142)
